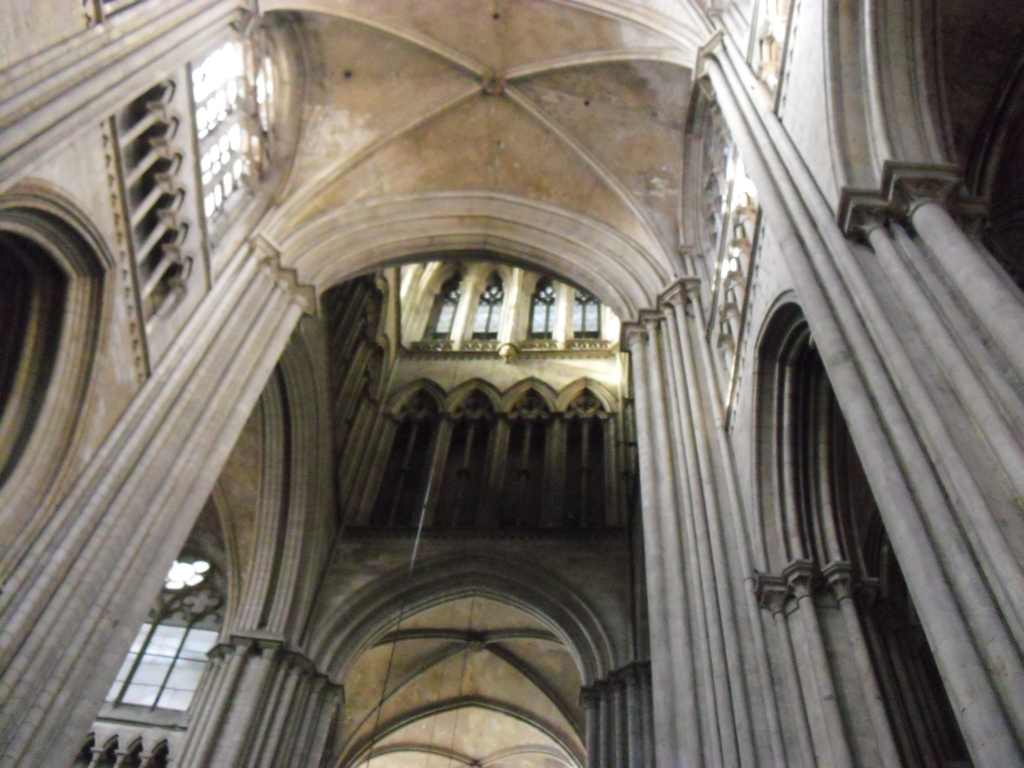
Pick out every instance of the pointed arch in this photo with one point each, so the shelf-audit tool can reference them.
(570, 392)
(401, 396)
(517, 391)
(345, 633)
(459, 394)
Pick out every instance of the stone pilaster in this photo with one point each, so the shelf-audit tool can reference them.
(70, 609)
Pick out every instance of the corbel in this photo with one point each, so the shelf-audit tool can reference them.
(268, 256)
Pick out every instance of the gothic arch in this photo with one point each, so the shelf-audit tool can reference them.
(72, 297)
(514, 394)
(350, 629)
(458, 395)
(362, 236)
(403, 394)
(573, 390)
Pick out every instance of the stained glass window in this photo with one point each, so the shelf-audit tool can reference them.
(488, 310)
(586, 316)
(167, 659)
(445, 305)
(542, 310)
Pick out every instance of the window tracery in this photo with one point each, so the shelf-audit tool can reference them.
(522, 492)
(585, 462)
(232, 89)
(465, 472)
(771, 39)
(446, 304)
(586, 316)
(488, 309)
(407, 473)
(168, 656)
(542, 310)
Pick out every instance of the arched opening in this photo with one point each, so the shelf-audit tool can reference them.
(31, 313)
(825, 537)
(470, 680)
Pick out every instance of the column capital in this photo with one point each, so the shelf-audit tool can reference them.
(903, 189)
(839, 575)
(682, 293)
(801, 576)
(772, 592)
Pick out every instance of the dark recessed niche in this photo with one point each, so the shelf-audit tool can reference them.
(586, 103)
(348, 74)
(496, 16)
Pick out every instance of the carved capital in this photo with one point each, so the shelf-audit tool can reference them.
(839, 575)
(801, 576)
(904, 188)
(715, 45)
(772, 592)
(632, 333)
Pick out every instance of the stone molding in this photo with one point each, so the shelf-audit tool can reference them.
(904, 187)
(288, 278)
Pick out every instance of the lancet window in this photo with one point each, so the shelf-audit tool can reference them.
(542, 310)
(586, 316)
(523, 486)
(168, 656)
(233, 90)
(446, 304)
(463, 484)
(585, 490)
(407, 474)
(488, 309)
(729, 237)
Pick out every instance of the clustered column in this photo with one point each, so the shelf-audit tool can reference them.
(620, 728)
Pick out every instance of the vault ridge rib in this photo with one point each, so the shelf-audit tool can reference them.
(312, 189)
(609, 178)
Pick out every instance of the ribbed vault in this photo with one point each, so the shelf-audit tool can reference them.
(570, 112)
(470, 682)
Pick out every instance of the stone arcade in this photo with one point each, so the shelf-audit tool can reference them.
(511, 383)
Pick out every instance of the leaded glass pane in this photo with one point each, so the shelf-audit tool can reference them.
(586, 316)
(488, 310)
(542, 315)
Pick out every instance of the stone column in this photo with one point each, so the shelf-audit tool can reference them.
(590, 701)
(996, 303)
(960, 609)
(839, 578)
(676, 709)
(265, 709)
(68, 612)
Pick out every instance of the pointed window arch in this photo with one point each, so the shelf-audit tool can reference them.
(488, 309)
(542, 310)
(463, 483)
(585, 462)
(446, 303)
(404, 485)
(523, 484)
(167, 659)
(586, 316)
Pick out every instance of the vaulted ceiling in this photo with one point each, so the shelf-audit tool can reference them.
(577, 106)
(471, 682)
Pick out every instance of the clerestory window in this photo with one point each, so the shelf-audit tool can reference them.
(167, 659)
(488, 309)
(233, 99)
(586, 316)
(446, 303)
(542, 310)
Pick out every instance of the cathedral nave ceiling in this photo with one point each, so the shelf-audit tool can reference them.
(576, 106)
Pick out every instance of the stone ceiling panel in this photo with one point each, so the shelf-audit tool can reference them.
(630, 115)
